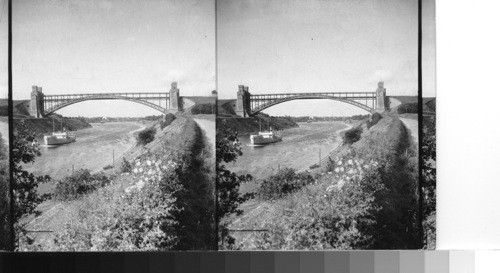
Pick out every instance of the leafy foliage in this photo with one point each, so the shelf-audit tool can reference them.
(146, 136)
(79, 183)
(228, 183)
(286, 181)
(26, 197)
(352, 135)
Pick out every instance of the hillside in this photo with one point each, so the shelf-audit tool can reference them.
(45, 125)
(245, 126)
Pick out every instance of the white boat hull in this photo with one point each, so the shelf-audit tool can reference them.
(59, 139)
(264, 138)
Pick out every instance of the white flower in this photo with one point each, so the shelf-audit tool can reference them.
(135, 170)
(349, 162)
(342, 169)
(148, 162)
(337, 170)
(140, 170)
(339, 163)
(138, 163)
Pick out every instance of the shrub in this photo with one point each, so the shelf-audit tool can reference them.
(146, 136)
(283, 183)
(411, 108)
(79, 183)
(167, 120)
(376, 117)
(203, 108)
(352, 135)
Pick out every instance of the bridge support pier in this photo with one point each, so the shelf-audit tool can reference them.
(243, 101)
(380, 101)
(175, 102)
(36, 103)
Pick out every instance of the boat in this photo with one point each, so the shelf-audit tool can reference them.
(59, 138)
(265, 137)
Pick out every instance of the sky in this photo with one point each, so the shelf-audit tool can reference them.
(4, 80)
(294, 46)
(95, 46)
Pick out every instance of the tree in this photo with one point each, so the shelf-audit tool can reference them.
(25, 186)
(228, 183)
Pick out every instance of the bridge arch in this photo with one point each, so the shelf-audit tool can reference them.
(69, 102)
(261, 107)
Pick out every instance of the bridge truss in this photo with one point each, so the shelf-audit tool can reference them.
(158, 101)
(364, 100)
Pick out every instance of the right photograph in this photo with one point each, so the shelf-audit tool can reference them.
(325, 133)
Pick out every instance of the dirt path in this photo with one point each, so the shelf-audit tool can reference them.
(208, 127)
(412, 125)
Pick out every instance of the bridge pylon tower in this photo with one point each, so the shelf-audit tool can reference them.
(243, 101)
(380, 105)
(175, 102)
(36, 102)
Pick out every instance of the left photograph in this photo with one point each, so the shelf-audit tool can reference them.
(113, 125)
(5, 226)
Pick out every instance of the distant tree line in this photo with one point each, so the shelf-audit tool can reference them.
(323, 118)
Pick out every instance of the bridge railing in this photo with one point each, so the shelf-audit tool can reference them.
(127, 95)
(322, 94)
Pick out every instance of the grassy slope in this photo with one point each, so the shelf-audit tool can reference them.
(388, 137)
(181, 141)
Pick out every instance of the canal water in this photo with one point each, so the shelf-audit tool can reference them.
(299, 149)
(92, 150)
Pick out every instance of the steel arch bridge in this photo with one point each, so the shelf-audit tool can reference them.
(363, 100)
(42, 105)
(248, 104)
(157, 101)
